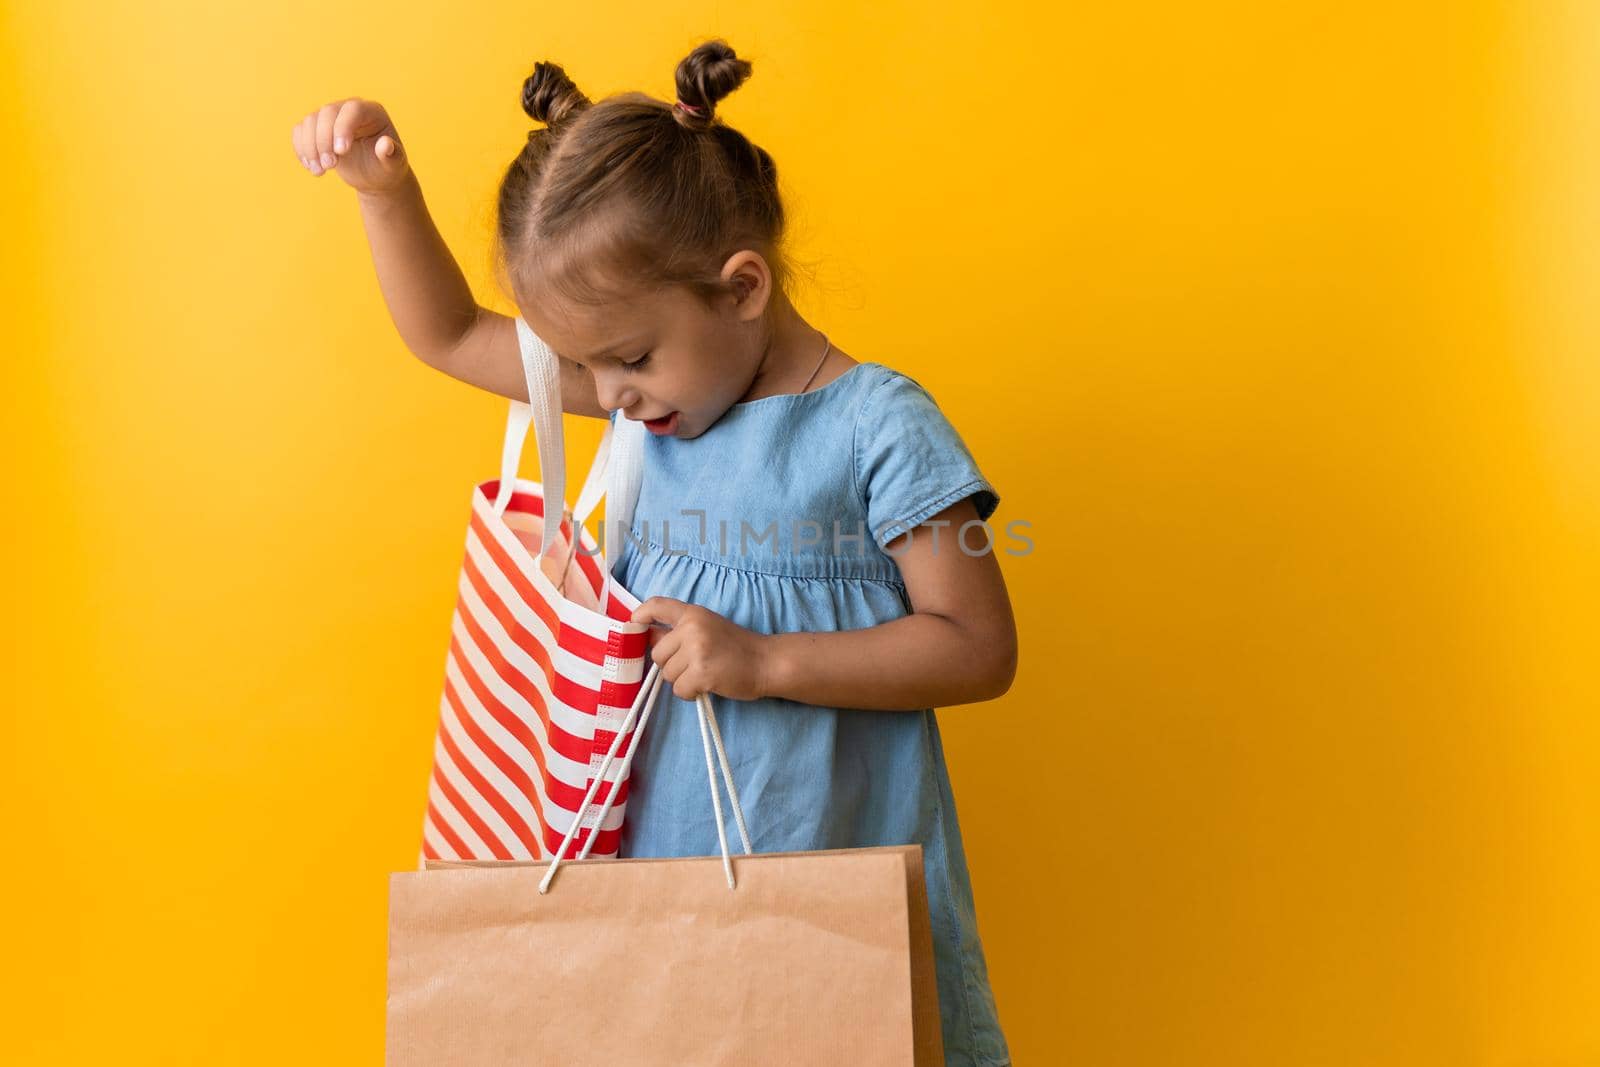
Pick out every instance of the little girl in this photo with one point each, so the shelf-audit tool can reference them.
(809, 526)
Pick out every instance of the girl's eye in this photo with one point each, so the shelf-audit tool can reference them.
(638, 363)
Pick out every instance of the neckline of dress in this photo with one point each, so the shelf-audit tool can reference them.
(823, 388)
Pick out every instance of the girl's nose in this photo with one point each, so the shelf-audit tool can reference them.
(613, 396)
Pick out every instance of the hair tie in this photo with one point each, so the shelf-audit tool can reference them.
(691, 109)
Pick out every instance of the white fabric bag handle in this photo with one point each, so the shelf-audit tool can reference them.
(625, 476)
(708, 738)
(542, 370)
(615, 473)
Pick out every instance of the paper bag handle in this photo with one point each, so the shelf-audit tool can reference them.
(710, 737)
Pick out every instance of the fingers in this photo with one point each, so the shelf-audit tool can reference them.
(659, 609)
(313, 139)
(675, 650)
(687, 688)
(305, 143)
(358, 119)
(345, 123)
(682, 656)
(336, 129)
(684, 676)
(324, 138)
(683, 661)
(663, 649)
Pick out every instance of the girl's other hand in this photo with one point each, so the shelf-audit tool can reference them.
(704, 652)
(356, 138)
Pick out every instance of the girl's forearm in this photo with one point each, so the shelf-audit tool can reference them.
(918, 661)
(428, 296)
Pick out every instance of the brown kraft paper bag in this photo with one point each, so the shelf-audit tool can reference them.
(823, 959)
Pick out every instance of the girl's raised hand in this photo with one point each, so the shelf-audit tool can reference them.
(356, 138)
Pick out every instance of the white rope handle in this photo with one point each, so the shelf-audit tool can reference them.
(646, 698)
(627, 760)
(716, 799)
(710, 737)
(710, 716)
(707, 716)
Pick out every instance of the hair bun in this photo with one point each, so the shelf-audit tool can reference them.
(706, 75)
(550, 97)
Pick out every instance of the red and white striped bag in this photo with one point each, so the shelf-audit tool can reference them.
(538, 682)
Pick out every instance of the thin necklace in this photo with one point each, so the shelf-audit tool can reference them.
(828, 347)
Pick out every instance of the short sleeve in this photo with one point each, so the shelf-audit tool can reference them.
(910, 463)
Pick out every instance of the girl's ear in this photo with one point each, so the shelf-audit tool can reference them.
(750, 280)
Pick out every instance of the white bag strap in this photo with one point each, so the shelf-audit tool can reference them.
(622, 484)
(594, 486)
(708, 718)
(542, 370)
(615, 473)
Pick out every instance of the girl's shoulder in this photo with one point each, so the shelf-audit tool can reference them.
(910, 461)
(888, 392)
(868, 390)
(844, 390)
(890, 401)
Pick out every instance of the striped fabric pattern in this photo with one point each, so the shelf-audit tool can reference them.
(536, 684)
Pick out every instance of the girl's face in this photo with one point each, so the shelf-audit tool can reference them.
(662, 357)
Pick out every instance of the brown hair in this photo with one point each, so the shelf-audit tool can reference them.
(637, 191)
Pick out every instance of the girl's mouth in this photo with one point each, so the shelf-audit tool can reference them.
(666, 424)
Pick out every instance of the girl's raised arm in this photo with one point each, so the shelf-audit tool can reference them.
(427, 295)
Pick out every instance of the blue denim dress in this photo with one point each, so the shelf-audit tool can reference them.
(775, 518)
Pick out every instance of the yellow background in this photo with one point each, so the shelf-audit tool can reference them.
(1277, 321)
